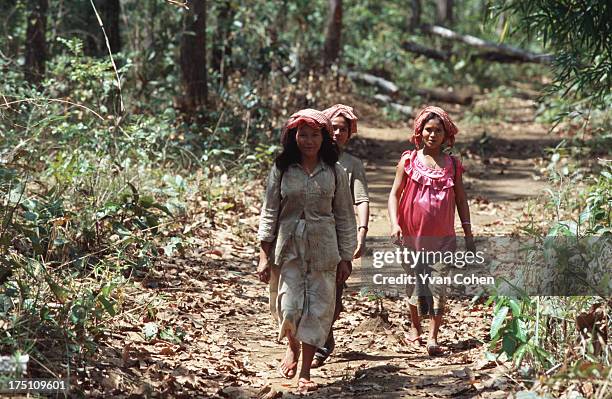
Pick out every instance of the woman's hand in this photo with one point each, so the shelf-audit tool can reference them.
(263, 270)
(343, 271)
(360, 248)
(396, 234)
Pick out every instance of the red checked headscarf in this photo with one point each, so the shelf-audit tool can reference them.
(419, 123)
(347, 112)
(311, 117)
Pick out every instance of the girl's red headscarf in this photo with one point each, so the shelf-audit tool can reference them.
(419, 123)
(311, 117)
(347, 112)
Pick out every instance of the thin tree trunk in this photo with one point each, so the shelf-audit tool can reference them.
(193, 55)
(415, 17)
(36, 45)
(444, 12)
(334, 33)
(221, 47)
(111, 11)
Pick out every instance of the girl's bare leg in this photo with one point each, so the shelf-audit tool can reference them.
(436, 322)
(415, 324)
(432, 343)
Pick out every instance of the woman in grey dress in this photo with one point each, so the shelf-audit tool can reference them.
(308, 236)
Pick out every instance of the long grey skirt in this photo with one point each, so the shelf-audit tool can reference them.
(302, 300)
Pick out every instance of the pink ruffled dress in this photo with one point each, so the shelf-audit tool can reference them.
(427, 205)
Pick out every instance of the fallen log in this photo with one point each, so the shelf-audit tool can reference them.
(383, 84)
(442, 55)
(446, 96)
(392, 90)
(402, 109)
(498, 57)
(516, 53)
(426, 51)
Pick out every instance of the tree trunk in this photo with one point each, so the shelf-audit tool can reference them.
(221, 50)
(415, 17)
(444, 55)
(110, 12)
(444, 12)
(193, 55)
(446, 96)
(36, 45)
(334, 32)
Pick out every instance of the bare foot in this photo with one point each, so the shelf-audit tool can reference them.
(288, 366)
(414, 337)
(306, 385)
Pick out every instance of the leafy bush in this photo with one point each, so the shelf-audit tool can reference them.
(539, 333)
(91, 199)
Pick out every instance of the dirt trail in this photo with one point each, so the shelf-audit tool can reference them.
(227, 346)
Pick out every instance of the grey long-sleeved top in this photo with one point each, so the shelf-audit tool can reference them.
(324, 198)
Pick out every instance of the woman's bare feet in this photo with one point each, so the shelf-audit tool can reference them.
(414, 337)
(306, 385)
(288, 366)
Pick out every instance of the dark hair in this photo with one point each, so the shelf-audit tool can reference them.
(291, 153)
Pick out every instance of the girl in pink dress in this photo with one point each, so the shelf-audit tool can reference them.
(426, 190)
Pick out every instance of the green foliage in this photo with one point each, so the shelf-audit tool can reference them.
(537, 333)
(578, 33)
(597, 212)
(89, 197)
(533, 332)
(516, 336)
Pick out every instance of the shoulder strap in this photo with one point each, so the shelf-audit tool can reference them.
(454, 166)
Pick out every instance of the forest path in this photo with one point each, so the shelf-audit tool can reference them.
(219, 337)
